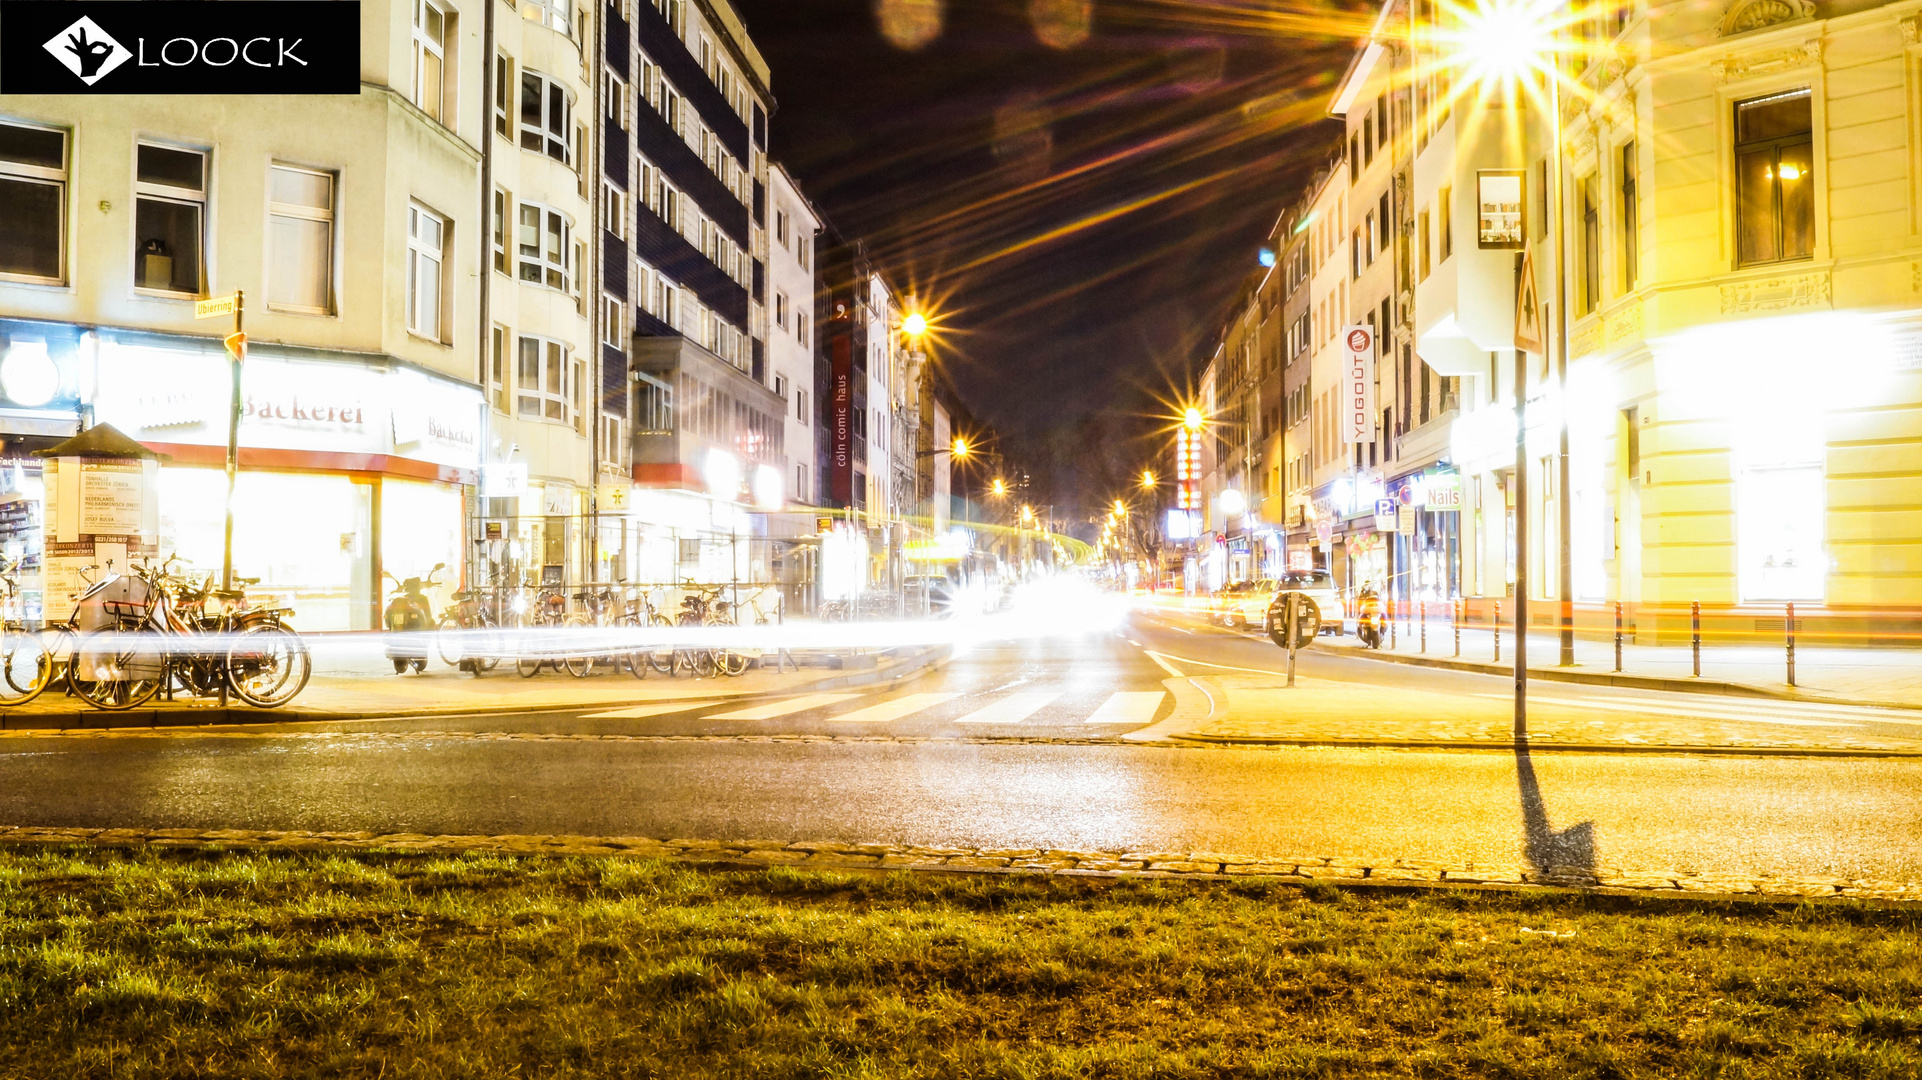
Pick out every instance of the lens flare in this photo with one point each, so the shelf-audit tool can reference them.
(910, 24)
(1061, 24)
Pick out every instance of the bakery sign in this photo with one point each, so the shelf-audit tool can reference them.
(164, 395)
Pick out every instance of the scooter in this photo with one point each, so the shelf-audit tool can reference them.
(1368, 618)
(409, 618)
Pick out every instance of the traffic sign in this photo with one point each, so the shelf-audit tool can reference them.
(1528, 308)
(1405, 520)
(217, 306)
(236, 345)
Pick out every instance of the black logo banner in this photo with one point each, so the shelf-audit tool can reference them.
(179, 47)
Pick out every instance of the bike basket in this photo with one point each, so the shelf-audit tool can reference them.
(111, 603)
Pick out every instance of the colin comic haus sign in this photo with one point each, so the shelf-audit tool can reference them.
(179, 47)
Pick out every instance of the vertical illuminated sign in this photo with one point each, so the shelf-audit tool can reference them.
(1358, 384)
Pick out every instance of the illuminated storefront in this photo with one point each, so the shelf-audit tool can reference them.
(349, 471)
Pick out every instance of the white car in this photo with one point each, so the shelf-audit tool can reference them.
(1320, 587)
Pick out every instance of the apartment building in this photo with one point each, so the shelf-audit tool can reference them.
(1327, 459)
(352, 225)
(709, 430)
(793, 227)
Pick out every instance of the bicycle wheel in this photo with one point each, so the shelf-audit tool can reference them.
(118, 669)
(661, 655)
(26, 665)
(268, 665)
(450, 639)
(730, 663)
(578, 664)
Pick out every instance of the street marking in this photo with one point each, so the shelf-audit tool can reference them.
(1224, 667)
(892, 710)
(639, 711)
(1009, 686)
(1681, 710)
(1135, 643)
(782, 708)
(1165, 665)
(1011, 709)
(1128, 707)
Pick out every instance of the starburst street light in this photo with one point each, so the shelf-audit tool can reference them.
(999, 488)
(1147, 478)
(1192, 419)
(915, 325)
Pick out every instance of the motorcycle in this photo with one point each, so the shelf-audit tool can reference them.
(1368, 618)
(410, 619)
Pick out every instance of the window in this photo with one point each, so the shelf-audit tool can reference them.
(1774, 179)
(1631, 221)
(780, 310)
(430, 58)
(503, 213)
(503, 91)
(497, 383)
(169, 217)
(780, 227)
(1591, 284)
(545, 244)
(801, 483)
(653, 406)
(1368, 140)
(426, 240)
(801, 406)
(33, 202)
(1541, 198)
(1354, 160)
(614, 322)
(1423, 242)
(614, 210)
(614, 93)
(801, 328)
(545, 116)
(552, 14)
(580, 396)
(1445, 226)
(300, 238)
(540, 385)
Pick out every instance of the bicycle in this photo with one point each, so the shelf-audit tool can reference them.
(27, 657)
(463, 636)
(155, 632)
(550, 611)
(596, 605)
(641, 613)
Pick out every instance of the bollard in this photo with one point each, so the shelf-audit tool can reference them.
(1391, 624)
(1424, 625)
(1618, 636)
(1790, 633)
(1695, 634)
(1455, 615)
(1498, 631)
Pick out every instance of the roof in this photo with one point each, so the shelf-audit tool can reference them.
(101, 441)
(1361, 65)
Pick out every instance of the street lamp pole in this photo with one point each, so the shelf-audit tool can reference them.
(1564, 586)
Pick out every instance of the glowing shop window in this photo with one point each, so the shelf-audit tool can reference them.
(421, 525)
(1778, 533)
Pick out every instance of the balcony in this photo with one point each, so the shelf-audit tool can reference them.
(693, 404)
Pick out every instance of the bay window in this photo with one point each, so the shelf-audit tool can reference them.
(431, 26)
(546, 117)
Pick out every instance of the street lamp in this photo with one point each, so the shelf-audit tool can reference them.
(959, 449)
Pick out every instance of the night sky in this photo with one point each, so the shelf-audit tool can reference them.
(1079, 211)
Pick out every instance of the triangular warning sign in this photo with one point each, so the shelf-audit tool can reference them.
(1528, 308)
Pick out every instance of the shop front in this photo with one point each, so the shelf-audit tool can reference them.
(350, 470)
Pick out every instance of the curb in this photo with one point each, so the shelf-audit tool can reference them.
(1565, 748)
(1624, 680)
(190, 715)
(1110, 864)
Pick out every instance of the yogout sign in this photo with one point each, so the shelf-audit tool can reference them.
(154, 47)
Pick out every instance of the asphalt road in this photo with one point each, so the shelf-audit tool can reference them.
(1780, 816)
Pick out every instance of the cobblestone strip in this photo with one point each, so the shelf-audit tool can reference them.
(1194, 865)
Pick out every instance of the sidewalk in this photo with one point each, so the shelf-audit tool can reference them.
(353, 680)
(1264, 710)
(1890, 678)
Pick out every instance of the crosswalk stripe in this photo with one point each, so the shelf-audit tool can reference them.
(1128, 707)
(892, 710)
(1009, 710)
(782, 708)
(639, 711)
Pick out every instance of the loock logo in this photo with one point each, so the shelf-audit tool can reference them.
(152, 47)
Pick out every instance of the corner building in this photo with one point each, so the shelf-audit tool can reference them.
(350, 223)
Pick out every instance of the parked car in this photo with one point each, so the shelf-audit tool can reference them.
(1320, 587)
(1249, 608)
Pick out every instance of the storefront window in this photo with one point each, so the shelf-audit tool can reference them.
(1779, 531)
(420, 525)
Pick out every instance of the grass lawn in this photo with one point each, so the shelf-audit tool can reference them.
(175, 963)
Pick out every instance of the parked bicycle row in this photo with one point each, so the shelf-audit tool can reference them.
(539, 629)
(152, 631)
